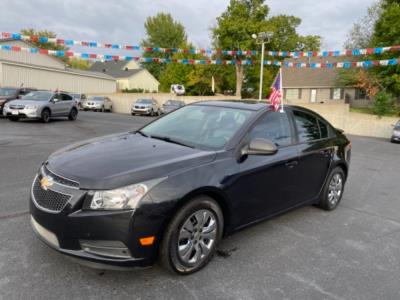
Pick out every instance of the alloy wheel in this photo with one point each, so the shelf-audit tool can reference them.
(197, 237)
(335, 189)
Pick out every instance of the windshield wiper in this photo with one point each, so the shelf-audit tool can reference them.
(170, 140)
(141, 133)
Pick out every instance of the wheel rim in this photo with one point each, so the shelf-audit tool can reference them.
(73, 114)
(46, 116)
(335, 189)
(197, 237)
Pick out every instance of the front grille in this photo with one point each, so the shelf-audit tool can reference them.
(59, 179)
(47, 199)
(17, 106)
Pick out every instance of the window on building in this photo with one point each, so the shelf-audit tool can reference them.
(336, 93)
(307, 126)
(292, 94)
(361, 94)
(275, 127)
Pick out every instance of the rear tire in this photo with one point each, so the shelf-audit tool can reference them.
(192, 236)
(73, 114)
(45, 117)
(333, 190)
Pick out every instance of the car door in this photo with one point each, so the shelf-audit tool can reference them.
(56, 105)
(109, 104)
(267, 182)
(315, 153)
(67, 101)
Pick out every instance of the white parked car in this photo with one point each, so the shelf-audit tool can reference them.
(178, 89)
(97, 103)
(148, 107)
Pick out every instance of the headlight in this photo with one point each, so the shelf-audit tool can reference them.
(123, 198)
(31, 106)
(6, 106)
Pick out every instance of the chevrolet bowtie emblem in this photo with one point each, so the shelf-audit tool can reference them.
(46, 182)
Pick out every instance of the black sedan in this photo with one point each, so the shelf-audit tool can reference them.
(171, 190)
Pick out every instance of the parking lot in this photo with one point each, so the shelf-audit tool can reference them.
(350, 253)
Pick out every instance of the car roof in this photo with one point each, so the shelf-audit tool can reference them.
(239, 104)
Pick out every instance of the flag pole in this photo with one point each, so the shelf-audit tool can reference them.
(281, 88)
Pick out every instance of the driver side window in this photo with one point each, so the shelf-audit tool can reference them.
(273, 126)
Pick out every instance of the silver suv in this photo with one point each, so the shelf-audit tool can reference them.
(97, 103)
(145, 107)
(42, 105)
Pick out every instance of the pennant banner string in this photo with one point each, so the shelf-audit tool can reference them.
(107, 57)
(294, 54)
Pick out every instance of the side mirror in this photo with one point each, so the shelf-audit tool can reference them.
(259, 146)
(55, 100)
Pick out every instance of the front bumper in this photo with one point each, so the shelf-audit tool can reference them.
(92, 107)
(21, 113)
(69, 230)
(395, 138)
(141, 111)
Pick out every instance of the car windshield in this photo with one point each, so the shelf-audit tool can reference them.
(38, 96)
(172, 103)
(7, 92)
(144, 101)
(397, 126)
(199, 126)
(96, 99)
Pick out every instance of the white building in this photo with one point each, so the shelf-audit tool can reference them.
(129, 75)
(47, 72)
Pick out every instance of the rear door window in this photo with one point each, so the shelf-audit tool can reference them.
(307, 126)
(323, 127)
(274, 126)
(65, 97)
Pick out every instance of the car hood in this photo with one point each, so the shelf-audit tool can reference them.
(4, 98)
(26, 102)
(120, 160)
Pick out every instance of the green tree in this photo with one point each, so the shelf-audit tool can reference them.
(242, 18)
(43, 33)
(164, 32)
(77, 63)
(361, 33)
(387, 33)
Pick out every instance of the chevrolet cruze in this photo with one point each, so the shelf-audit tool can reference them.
(171, 190)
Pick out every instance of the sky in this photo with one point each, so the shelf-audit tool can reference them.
(121, 21)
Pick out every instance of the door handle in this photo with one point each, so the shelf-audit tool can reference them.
(325, 152)
(291, 164)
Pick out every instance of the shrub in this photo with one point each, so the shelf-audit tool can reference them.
(383, 104)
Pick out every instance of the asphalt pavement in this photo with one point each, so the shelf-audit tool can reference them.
(350, 253)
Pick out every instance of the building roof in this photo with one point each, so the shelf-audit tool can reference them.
(116, 69)
(108, 65)
(308, 77)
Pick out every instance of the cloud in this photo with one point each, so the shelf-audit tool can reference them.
(122, 21)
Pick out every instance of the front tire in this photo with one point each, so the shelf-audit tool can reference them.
(45, 117)
(192, 236)
(73, 114)
(333, 190)
(14, 119)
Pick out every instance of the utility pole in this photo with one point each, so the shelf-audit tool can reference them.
(262, 38)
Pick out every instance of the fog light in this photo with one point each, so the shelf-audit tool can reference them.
(115, 249)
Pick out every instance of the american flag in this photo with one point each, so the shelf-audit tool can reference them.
(276, 96)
